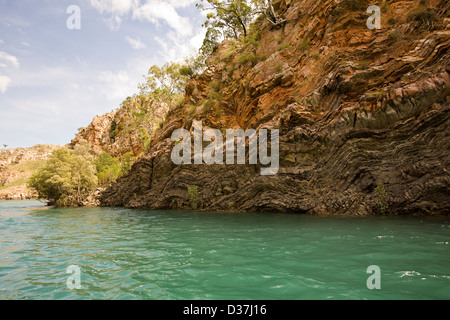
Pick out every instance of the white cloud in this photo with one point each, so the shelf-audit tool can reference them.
(111, 77)
(154, 11)
(176, 48)
(115, 7)
(65, 92)
(136, 44)
(113, 23)
(4, 83)
(116, 85)
(9, 58)
(182, 3)
(26, 44)
(197, 40)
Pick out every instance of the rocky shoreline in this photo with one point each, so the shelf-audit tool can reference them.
(18, 193)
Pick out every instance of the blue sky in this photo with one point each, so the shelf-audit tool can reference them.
(54, 80)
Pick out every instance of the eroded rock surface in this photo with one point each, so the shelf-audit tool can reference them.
(356, 108)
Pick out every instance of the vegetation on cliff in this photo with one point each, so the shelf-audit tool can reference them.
(362, 113)
(66, 179)
(131, 128)
(231, 19)
(69, 176)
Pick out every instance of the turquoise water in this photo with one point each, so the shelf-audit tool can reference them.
(126, 254)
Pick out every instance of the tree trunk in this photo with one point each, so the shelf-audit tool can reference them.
(272, 14)
(243, 28)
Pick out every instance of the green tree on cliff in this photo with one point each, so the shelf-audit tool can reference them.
(108, 169)
(66, 179)
(165, 84)
(227, 19)
(230, 19)
(265, 7)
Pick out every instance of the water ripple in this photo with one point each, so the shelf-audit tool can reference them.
(125, 254)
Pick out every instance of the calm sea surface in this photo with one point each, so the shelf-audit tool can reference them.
(163, 255)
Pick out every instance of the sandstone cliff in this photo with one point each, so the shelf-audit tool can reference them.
(17, 166)
(127, 130)
(356, 109)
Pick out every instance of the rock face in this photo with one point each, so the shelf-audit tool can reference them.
(18, 193)
(93, 200)
(19, 155)
(126, 130)
(17, 166)
(356, 109)
(97, 134)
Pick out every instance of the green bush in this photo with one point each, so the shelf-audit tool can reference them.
(207, 106)
(193, 196)
(178, 102)
(127, 163)
(66, 179)
(190, 111)
(214, 88)
(253, 58)
(230, 70)
(304, 45)
(382, 199)
(113, 130)
(192, 66)
(187, 70)
(395, 35)
(228, 57)
(108, 169)
(279, 67)
(214, 85)
(144, 137)
(253, 36)
(423, 16)
(284, 47)
(315, 56)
